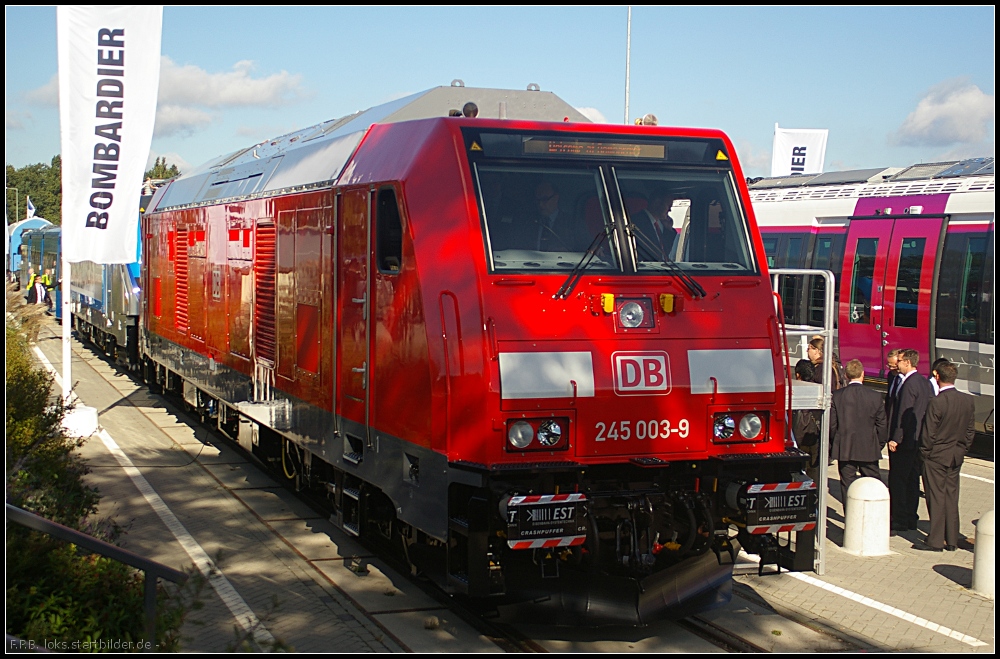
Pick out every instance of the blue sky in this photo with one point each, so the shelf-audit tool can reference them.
(894, 86)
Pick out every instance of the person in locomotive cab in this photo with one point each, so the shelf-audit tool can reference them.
(556, 230)
(905, 426)
(948, 430)
(655, 224)
(858, 429)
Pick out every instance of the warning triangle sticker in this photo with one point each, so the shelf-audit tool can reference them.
(475, 147)
(721, 156)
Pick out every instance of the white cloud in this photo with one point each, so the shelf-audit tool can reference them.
(952, 112)
(16, 119)
(593, 114)
(191, 98)
(47, 94)
(192, 85)
(179, 120)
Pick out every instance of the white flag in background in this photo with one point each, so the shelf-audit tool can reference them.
(798, 151)
(109, 73)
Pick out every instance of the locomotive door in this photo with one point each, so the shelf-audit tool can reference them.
(886, 288)
(353, 300)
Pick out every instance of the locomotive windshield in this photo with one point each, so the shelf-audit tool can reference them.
(639, 205)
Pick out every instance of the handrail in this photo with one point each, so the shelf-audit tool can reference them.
(152, 569)
(827, 332)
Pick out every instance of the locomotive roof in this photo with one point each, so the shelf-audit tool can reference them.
(315, 156)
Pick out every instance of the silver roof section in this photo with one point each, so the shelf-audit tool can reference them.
(315, 156)
(923, 171)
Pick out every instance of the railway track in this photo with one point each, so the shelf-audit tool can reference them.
(695, 633)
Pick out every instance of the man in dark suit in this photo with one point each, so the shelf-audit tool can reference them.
(858, 428)
(892, 379)
(909, 407)
(948, 431)
(654, 227)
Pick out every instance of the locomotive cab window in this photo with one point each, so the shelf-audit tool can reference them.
(628, 204)
(545, 218)
(389, 233)
(690, 218)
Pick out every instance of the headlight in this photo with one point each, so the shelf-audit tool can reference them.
(519, 434)
(724, 427)
(549, 433)
(631, 314)
(750, 426)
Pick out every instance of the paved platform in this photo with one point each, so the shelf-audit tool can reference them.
(335, 597)
(909, 601)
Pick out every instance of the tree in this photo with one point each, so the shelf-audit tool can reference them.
(161, 170)
(41, 182)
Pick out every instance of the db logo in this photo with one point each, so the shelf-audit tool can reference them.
(641, 372)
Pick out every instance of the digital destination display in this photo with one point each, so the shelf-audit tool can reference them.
(574, 147)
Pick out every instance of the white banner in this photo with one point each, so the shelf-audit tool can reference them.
(109, 73)
(798, 151)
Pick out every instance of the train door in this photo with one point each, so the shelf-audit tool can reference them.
(886, 287)
(353, 300)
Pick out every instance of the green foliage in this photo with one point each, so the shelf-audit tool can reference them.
(161, 170)
(43, 183)
(44, 474)
(54, 594)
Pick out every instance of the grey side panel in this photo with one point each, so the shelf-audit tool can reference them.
(386, 460)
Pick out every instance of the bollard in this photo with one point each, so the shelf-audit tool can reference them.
(80, 421)
(866, 526)
(983, 565)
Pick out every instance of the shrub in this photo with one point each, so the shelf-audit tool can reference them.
(55, 594)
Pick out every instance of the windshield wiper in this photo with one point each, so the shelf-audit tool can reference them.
(577, 273)
(689, 283)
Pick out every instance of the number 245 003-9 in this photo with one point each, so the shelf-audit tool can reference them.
(653, 429)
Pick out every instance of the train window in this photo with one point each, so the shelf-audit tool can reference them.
(963, 310)
(690, 217)
(911, 258)
(971, 292)
(771, 248)
(828, 253)
(861, 280)
(541, 217)
(389, 233)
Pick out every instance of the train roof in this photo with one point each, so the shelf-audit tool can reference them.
(971, 175)
(315, 156)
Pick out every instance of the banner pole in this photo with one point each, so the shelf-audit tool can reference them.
(67, 346)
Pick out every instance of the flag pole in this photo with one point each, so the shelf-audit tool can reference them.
(628, 56)
(67, 347)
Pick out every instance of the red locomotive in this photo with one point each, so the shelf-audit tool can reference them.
(484, 343)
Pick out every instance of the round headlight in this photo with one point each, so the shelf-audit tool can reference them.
(519, 434)
(631, 314)
(724, 427)
(549, 433)
(750, 426)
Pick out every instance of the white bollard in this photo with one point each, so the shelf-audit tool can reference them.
(866, 526)
(81, 421)
(983, 561)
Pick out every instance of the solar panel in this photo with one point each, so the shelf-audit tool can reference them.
(783, 181)
(965, 167)
(916, 172)
(849, 176)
